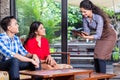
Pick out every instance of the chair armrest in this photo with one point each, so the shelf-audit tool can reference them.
(66, 53)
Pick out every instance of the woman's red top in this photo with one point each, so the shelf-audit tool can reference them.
(42, 51)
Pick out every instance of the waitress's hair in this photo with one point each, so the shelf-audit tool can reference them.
(88, 5)
(33, 27)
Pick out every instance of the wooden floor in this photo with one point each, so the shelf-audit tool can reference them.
(91, 66)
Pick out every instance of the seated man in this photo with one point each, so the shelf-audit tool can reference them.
(13, 55)
(36, 43)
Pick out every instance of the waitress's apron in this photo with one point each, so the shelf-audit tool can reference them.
(105, 44)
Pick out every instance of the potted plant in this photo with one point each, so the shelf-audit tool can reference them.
(116, 58)
(116, 54)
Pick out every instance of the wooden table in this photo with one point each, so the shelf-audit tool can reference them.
(59, 74)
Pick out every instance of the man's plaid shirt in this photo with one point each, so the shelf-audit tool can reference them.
(10, 46)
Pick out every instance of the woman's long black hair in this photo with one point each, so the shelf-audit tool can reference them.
(88, 5)
(34, 27)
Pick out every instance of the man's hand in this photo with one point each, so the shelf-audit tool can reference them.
(35, 63)
(36, 59)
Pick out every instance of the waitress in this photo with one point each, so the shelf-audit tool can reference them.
(94, 19)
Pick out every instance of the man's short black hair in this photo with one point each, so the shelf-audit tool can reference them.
(5, 22)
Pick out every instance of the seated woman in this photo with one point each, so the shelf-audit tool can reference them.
(36, 43)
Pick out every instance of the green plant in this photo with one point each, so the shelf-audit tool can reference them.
(45, 11)
(48, 12)
(116, 54)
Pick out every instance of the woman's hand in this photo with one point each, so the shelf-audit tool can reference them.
(50, 60)
(83, 34)
(86, 35)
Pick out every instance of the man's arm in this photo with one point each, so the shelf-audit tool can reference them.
(5, 51)
(25, 53)
(29, 55)
(22, 58)
(34, 57)
(8, 53)
(26, 59)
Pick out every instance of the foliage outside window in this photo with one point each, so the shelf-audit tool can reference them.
(48, 12)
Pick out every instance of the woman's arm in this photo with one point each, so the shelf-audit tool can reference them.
(85, 26)
(99, 30)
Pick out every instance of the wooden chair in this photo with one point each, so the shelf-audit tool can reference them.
(58, 55)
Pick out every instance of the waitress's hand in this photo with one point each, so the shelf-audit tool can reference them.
(83, 34)
(86, 36)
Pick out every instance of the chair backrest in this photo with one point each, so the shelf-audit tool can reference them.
(65, 53)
